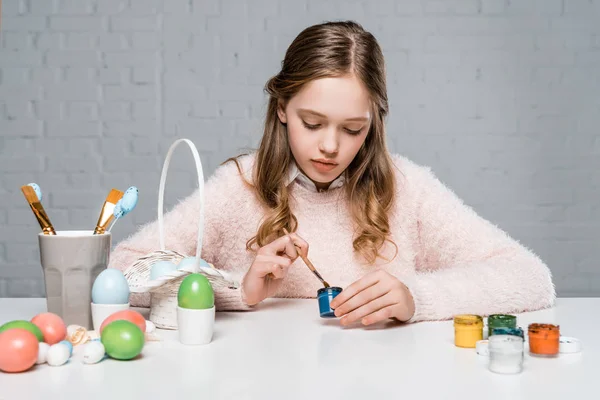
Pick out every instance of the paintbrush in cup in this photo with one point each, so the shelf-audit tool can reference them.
(308, 263)
(38, 210)
(107, 213)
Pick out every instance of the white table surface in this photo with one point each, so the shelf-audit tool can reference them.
(285, 351)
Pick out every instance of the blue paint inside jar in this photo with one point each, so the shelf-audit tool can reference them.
(325, 295)
(503, 330)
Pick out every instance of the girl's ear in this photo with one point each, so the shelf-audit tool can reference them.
(281, 112)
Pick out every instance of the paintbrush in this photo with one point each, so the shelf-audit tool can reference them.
(38, 210)
(125, 204)
(308, 263)
(107, 215)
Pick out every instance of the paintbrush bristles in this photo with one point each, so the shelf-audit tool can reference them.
(38, 210)
(29, 193)
(106, 214)
(114, 196)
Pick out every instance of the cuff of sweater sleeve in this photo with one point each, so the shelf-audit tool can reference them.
(421, 297)
(230, 300)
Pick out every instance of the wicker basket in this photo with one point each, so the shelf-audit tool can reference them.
(163, 290)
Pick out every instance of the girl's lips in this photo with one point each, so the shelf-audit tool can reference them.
(323, 166)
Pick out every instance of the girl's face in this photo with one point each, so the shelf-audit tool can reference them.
(327, 123)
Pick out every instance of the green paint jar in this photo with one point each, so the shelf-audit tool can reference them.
(500, 321)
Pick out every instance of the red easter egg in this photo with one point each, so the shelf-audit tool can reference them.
(52, 326)
(18, 350)
(127, 315)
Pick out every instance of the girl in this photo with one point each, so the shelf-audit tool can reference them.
(398, 241)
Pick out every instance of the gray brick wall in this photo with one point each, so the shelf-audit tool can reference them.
(500, 97)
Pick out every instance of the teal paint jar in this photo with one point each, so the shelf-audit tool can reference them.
(324, 296)
(500, 321)
(503, 330)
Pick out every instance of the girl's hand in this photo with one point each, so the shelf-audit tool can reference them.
(270, 266)
(374, 298)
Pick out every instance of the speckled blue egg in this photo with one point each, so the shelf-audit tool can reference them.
(129, 199)
(189, 261)
(161, 268)
(127, 202)
(110, 287)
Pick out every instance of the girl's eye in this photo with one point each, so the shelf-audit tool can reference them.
(350, 131)
(311, 127)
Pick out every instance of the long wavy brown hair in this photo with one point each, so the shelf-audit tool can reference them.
(330, 49)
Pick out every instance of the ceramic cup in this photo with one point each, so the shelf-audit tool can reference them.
(195, 326)
(71, 261)
(102, 311)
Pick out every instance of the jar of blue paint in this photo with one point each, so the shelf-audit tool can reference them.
(325, 295)
(504, 330)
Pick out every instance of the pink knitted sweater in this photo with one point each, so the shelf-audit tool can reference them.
(452, 260)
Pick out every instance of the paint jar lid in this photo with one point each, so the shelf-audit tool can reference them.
(329, 289)
(468, 319)
(538, 328)
(501, 319)
(569, 345)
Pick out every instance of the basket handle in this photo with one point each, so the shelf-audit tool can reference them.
(161, 193)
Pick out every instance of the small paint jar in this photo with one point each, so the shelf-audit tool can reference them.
(506, 354)
(468, 330)
(325, 295)
(503, 330)
(500, 320)
(544, 340)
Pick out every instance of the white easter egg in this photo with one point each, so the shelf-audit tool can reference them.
(58, 354)
(42, 352)
(93, 352)
(150, 327)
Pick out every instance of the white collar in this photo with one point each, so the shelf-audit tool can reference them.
(294, 174)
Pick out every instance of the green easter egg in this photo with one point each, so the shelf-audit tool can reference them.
(195, 292)
(122, 340)
(27, 325)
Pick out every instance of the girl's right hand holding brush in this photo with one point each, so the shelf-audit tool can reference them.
(270, 266)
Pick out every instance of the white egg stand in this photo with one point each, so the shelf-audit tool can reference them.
(163, 290)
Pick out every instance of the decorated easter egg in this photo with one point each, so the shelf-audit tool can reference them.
(58, 354)
(118, 211)
(195, 292)
(161, 268)
(18, 350)
(122, 340)
(37, 190)
(42, 352)
(110, 287)
(129, 199)
(127, 315)
(25, 325)
(93, 352)
(77, 334)
(52, 326)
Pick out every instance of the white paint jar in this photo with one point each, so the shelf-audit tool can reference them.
(506, 354)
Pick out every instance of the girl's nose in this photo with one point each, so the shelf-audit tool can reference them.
(329, 143)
